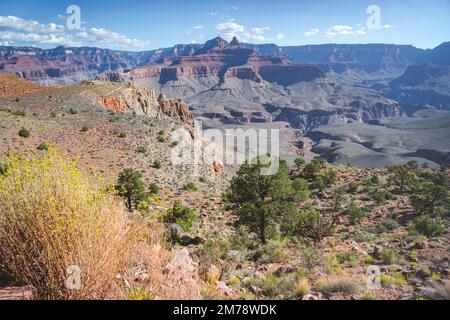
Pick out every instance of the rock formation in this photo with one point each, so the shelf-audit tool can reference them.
(143, 101)
(175, 109)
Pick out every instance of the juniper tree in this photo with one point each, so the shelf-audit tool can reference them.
(262, 201)
(131, 188)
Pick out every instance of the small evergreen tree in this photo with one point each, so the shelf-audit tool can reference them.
(401, 177)
(428, 197)
(131, 188)
(262, 201)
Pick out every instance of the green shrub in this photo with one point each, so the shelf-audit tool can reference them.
(141, 149)
(53, 114)
(271, 252)
(379, 197)
(395, 279)
(20, 113)
(430, 227)
(181, 215)
(122, 135)
(84, 128)
(161, 139)
(3, 169)
(388, 256)
(369, 260)
(190, 186)
(348, 256)
(311, 258)
(202, 180)
(314, 225)
(325, 180)
(390, 224)
(43, 146)
(73, 111)
(24, 133)
(157, 164)
(375, 180)
(356, 214)
(287, 285)
(154, 188)
(352, 187)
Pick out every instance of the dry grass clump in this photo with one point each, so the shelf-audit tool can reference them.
(345, 285)
(53, 220)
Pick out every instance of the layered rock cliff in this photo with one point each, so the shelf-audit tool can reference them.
(144, 101)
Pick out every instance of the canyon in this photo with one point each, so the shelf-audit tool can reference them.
(307, 88)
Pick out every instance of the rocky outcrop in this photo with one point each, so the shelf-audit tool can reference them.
(175, 109)
(143, 101)
(112, 76)
(130, 98)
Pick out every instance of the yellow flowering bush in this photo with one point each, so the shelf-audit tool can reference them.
(53, 218)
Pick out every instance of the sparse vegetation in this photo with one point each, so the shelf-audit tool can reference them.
(20, 113)
(154, 188)
(430, 227)
(157, 164)
(43, 146)
(73, 111)
(355, 213)
(346, 286)
(190, 186)
(181, 215)
(24, 133)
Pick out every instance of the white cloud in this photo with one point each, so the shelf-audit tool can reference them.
(198, 27)
(311, 32)
(54, 39)
(280, 36)
(387, 26)
(33, 32)
(344, 30)
(258, 30)
(111, 38)
(231, 28)
(19, 24)
(213, 13)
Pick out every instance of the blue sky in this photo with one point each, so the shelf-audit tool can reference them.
(140, 25)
